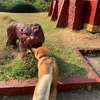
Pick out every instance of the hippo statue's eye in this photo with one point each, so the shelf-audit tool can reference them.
(21, 31)
(36, 33)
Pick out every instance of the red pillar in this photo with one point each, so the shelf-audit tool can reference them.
(62, 19)
(92, 16)
(54, 14)
(75, 14)
(50, 9)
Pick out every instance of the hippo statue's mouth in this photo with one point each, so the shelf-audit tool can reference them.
(28, 45)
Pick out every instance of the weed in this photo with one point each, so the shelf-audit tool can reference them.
(81, 89)
(19, 69)
(89, 88)
(8, 18)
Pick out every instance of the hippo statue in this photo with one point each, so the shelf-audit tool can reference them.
(28, 36)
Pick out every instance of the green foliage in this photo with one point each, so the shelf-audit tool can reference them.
(2, 7)
(7, 4)
(81, 89)
(19, 6)
(22, 7)
(8, 18)
(12, 66)
(41, 5)
(6, 56)
(19, 69)
(89, 88)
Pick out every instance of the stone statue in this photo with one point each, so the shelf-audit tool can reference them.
(28, 36)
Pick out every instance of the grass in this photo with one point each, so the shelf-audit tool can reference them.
(55, 39)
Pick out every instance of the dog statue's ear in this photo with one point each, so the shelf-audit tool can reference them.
(34, 50)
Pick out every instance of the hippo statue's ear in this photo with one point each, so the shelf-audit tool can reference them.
(37, 25)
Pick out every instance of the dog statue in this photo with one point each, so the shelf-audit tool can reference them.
(29, 36)
(48, 73)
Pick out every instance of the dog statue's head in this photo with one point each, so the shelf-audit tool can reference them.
(41, 52)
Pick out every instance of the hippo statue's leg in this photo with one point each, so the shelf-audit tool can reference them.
(11, 36)
(23, 50)
(11, 43)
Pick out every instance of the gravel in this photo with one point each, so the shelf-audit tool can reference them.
(67, 95)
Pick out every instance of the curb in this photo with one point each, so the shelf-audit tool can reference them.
(15, 87)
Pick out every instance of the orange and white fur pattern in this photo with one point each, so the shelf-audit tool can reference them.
(44, 75)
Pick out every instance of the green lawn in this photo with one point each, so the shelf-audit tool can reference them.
(56, 40)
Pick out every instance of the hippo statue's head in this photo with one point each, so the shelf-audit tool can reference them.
(31, 36)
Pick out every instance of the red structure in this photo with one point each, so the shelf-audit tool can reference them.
(55, 9)
(62, 12)
(50, 9)
(77, 13)
(92, 16)
(54, 13)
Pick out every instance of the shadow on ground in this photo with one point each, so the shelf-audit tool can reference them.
(68, 69)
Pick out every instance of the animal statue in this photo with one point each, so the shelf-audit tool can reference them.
(28, 36)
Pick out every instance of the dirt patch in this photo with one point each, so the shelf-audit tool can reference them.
(81, 39)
